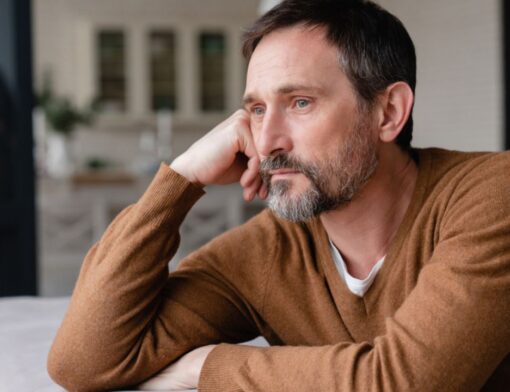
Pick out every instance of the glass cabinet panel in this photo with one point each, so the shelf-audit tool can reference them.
(212, 71)
(162, 54)
(111, 50)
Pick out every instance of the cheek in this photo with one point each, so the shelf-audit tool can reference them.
(322, 133)
(308, 133)
(321, 144)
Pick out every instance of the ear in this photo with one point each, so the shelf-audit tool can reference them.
(396, 103)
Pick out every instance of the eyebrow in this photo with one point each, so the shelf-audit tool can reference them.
(285, 90)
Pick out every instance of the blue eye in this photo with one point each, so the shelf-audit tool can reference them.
(302, 103)
(258, 111)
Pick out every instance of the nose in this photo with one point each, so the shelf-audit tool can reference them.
(273, 134)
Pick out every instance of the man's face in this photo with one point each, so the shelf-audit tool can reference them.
(317, 144)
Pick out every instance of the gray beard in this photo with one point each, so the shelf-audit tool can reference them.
(333, 184)
(294, 209)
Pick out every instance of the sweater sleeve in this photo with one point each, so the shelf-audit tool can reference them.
(128, 318)
(450, 334)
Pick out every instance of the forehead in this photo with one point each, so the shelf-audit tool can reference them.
(296, 55)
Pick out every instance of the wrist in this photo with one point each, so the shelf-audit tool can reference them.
(180, 167)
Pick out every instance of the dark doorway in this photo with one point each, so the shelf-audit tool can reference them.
(506, 70)
(17, 198)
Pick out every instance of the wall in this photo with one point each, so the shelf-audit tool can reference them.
(459, 100)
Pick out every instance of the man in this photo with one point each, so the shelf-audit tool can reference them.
(377, 267)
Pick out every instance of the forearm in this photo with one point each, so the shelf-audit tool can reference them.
(117, 292)
(347, 366)
(439, 339)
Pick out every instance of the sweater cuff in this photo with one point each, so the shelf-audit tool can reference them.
(221, 366)
(169, 192)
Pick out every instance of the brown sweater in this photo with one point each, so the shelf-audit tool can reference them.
(437, 317)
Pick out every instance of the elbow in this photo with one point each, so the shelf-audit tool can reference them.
(66, 371)
(77, 373)
(59, 372)
(62, 372)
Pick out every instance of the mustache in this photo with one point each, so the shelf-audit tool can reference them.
(285, 161)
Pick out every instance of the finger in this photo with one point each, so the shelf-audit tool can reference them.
(247, 143)
(251, 191)
(251, 172)
(249, 149)
(263, 191)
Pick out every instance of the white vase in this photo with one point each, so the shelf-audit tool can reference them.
(59, 155)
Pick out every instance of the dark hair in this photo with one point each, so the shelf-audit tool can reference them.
(375, 49)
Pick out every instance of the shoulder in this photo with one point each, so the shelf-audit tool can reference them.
(469, 189)
(443, 162)
(466, 173)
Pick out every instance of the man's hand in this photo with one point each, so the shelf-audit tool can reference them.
(225, 155)
(182, 374)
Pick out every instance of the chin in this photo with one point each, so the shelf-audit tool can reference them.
(293, 205)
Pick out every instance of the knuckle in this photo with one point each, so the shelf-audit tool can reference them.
(242, 114)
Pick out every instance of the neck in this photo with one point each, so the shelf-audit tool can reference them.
(363, 229)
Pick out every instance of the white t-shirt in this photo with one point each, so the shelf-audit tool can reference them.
(356, 286)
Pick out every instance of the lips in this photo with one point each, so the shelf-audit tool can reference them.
(282, 172)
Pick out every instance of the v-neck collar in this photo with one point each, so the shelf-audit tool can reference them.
(352, 308)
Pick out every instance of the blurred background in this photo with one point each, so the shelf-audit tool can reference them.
(95, 94)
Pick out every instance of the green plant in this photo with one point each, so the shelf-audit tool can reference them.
(97, 163)
(62, 115)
